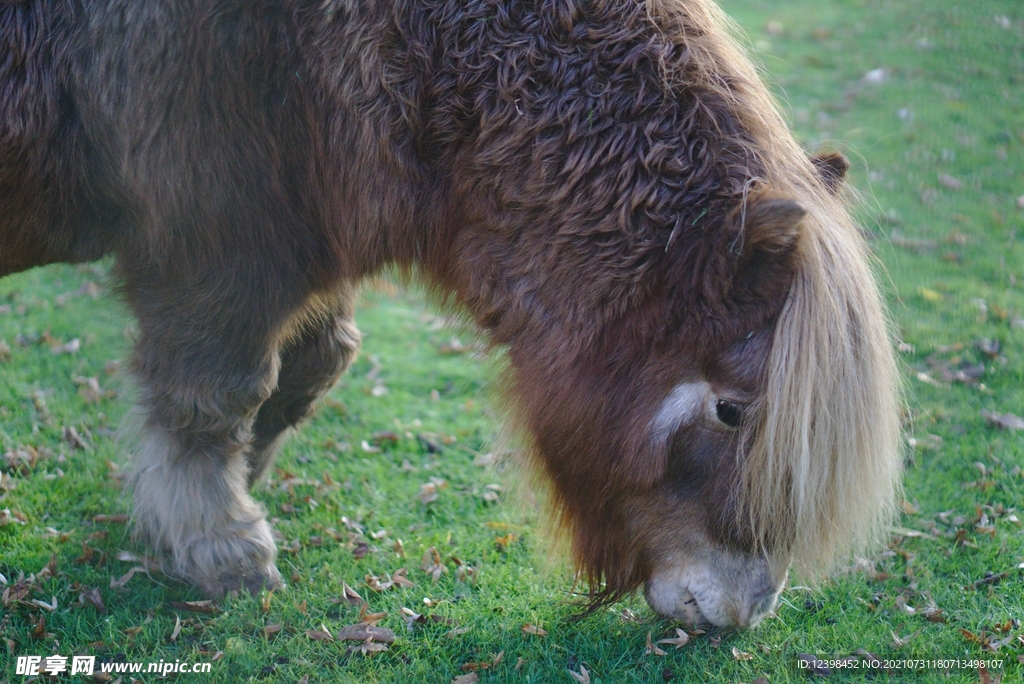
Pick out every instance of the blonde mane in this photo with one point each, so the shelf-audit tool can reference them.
(821, 476)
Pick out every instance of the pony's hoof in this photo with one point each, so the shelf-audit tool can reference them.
(227, 563)
(253, 581)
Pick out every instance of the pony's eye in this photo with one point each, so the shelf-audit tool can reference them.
(729, 413)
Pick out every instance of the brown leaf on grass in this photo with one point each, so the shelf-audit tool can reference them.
(484, 664)
(679, 640)
(92, 597)
(534, 630)
(103, 518)
(410, 616)
(89, 389)
(366, 648)
(87, 553)
(432, 564)
(375, 584)
(52, 606)
(401, 580)
(933, 613)
(583, 677)
(430, 491)
(265, 601)
(739, 655)
(470, 678)
(950, 182)
(990, 578)
(71, 436)
(651, 649)
(177, 629)
(321, 634)
(900, 642)
(349, 595)
(119, 582)
(364, 632)
(1003, 421)
(271, 630)
(195, 606)
(368, 618)
(994, 645)
(133, 631)
(360, 550)
(502, 543)
(7, 516)
(57, 347)
(39, 630)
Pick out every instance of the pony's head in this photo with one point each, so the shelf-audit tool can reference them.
(698, 347)
(741, 422)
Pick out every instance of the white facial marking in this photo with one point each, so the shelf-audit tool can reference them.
(686, 403)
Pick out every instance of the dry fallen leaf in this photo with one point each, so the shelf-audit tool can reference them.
(195, 606)
(650, 648)
(739, 655)
(933, 613)
(469, 678)
(681, 639)
(374, 583)
(371, 618)
(483, 665)
(1003, 421)
(102, 518)
(117, 583)
(366, 648)
(534, 629)
(94, 598)
(321, 634)
(363, 632)
(502, 543)
(177, 628)
(432, 564)
(400, 580)
(430, 491)
(900, 642)
(583, 677)
(950, 182)
(52, 606)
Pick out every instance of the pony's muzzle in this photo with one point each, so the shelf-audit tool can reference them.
(733, 591)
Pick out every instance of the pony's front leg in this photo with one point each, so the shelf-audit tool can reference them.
(206, 360)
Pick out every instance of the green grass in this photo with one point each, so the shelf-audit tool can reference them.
(951, 102)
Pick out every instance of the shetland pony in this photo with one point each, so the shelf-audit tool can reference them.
(698, 350)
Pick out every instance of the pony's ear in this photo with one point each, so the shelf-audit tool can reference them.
(765, 232)
(832, 167)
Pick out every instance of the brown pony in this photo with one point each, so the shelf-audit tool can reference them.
(698, 351)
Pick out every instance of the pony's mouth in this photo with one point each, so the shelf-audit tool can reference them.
(698, 597)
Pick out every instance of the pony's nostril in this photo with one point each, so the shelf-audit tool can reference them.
(762, 604)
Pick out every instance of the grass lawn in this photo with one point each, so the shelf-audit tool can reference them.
(926, 97)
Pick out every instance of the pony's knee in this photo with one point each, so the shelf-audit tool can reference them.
(310, 368)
